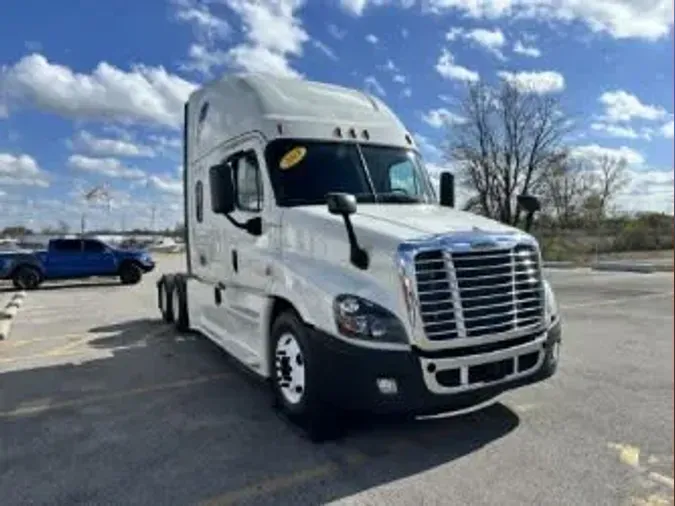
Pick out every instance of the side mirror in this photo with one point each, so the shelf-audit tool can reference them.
(222, 189)
(447, 187)
(344, 204)
(341, 203)
(531, 205)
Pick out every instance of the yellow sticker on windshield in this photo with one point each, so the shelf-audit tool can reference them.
(292, 158)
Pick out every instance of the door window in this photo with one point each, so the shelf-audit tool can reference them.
(249, 191)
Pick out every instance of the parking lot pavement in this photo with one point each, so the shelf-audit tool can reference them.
(102, 404)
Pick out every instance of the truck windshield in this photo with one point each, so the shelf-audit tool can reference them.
(303, 172)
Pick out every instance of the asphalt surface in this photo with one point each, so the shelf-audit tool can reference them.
(100, 403)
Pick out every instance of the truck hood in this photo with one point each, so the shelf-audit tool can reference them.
(410, 222)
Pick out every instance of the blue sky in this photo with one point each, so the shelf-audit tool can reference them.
(91, 94)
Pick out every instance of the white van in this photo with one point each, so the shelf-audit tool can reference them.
(320, 257)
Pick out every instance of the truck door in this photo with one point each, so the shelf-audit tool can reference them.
(64, 259)
(97, 259)
(249, 253)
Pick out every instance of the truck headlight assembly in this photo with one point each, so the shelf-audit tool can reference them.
(359, 318)
(551, 303)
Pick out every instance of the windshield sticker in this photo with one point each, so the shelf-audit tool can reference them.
(292, 158)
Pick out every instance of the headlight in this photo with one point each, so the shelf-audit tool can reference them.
(551, 303)
(358, 318)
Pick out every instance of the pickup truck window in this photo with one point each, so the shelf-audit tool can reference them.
(66, 245)
(93, 247)
(371, 173)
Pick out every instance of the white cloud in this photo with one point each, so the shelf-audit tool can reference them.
(357, 7)
(404, 33)
(491, 40)
(143, 94)
(622, 132)
(623, 106)
(442, 117)
(531, 51)
(667, 130)
(203, 59)
(406, 92)
(99, 146)
(273, 35)
(647, 190)
(429, 150)
(372, 39)
(166, 184)
(324, 49)
(373, 86)
(21, 170)
(399, 78)
(646, 19)
(207, 26)
(336, 32)
(108, 167)
(594, 152)
(535, 82)
(447, 68)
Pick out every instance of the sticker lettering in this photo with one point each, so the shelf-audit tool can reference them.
(292, 158)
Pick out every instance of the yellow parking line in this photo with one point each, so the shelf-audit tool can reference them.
(352, 458)
(67, 349)
(44, 407)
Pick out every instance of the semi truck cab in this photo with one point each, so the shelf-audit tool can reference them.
(321, 258)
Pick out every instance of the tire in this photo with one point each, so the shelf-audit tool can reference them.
(179, 307)
(164, 301)
(294, 379)
(130, 274)
(26, 277)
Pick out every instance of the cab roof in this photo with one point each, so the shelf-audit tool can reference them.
(275, 106)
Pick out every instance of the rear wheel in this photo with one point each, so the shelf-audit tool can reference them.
(130, 274)
(179, 306)
(26, 278)
(165, 307)
(294, 378)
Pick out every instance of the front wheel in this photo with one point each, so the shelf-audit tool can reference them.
(294, 376)
(26, 278)
(130, 274)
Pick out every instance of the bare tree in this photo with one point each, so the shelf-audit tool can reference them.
(612, 177)
(566, 188)
(508, 141)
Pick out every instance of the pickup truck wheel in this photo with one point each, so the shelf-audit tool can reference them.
(293, 379)
(130, 274)
(26, 278)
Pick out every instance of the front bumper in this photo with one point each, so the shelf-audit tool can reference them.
(349, 374)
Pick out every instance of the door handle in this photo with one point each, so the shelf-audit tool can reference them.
(235, 261)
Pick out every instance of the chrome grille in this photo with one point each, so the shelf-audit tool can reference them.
(479, 293)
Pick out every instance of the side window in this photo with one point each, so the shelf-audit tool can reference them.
(67, 246)
(93, 247)
(248, 183)
(402, 177)
(199, 201)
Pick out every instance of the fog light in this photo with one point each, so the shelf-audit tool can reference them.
(387, 386)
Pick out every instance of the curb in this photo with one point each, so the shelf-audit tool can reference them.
(9, 312)
(625, 267)
(555, 264)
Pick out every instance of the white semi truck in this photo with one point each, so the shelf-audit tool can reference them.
(320, 257)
